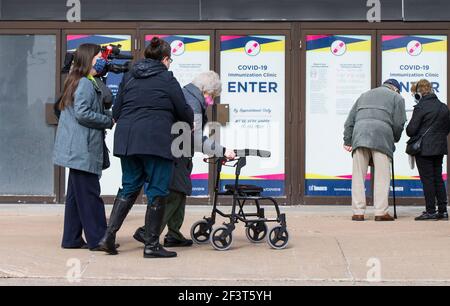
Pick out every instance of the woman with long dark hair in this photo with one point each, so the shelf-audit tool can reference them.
(150, 101)
(79, 147)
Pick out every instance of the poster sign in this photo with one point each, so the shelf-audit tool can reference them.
(111, 178)
(73, 41)
(338, 71)
(253, 76)
(409, 58)
(191, 56)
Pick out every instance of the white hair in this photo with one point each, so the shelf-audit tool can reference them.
(208, 82)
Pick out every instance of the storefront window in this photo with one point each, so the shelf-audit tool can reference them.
(409, 58)
(110, 181)
(27, 83)
(253, 75)
(191, 56)
(338, 71)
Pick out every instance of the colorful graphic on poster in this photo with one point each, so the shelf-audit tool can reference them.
(111, 178)
(253, 76)
(191, 56)
(338, 71)
(113, 81)
(409, 58)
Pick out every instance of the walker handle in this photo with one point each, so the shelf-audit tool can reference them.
(252, 152)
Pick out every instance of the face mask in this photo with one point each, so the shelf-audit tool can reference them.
(209, 100)
(100, 65)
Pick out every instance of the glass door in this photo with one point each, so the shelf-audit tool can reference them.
(28, 82)
(126, 39)
(192, 53)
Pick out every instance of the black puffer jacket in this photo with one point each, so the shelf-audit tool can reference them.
(435, 141)
(149, 102)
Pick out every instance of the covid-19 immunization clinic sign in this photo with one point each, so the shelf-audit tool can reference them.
(253, 75)
(109, 182)
(338, 71)
(409, 58)
(191, 56)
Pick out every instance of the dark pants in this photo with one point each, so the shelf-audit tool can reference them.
(140, 169)
(430, 170)
(174, 214)
(85, 211)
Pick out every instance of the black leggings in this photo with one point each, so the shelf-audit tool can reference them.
(430, 170)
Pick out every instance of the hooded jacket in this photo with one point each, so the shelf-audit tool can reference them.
(149, 102)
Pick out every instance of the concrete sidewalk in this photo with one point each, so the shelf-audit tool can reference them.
(326, 248)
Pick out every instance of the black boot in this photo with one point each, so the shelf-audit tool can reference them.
(153, 222)
(119, 212)
(139, 235)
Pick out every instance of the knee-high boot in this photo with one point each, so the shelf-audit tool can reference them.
(153, 222)
(121, 208)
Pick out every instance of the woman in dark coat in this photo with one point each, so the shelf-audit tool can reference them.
(149, 102)
(200, 95)
(432, 115)
(79, 147)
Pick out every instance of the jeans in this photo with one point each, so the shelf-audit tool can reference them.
(140, 169)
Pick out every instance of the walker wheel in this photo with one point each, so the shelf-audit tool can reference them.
(200, 232)
(256, 231)
(278, 238)
(221, 240)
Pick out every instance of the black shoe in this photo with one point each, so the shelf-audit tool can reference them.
(442, 216)
(171, 242)
(139, 235)
(158, 252)
(99, 249)
(153, 222)
(119, 212)
(83, 246)
(427, 217)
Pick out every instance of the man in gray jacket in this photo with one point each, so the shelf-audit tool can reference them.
(374, 125)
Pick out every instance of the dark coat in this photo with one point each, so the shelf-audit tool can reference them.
(435, 141)
(181, 176)
(149, 102)
(181, 179)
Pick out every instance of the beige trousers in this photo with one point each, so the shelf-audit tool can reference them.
(381, 162)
